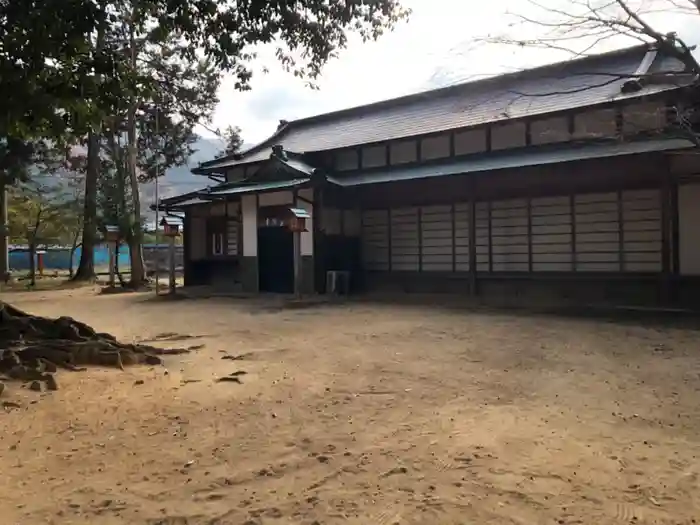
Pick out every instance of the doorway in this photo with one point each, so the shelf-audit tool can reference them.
(276, 259)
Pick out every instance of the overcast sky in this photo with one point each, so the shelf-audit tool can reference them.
(435, 47)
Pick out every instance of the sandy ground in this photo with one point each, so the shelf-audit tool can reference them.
(359, 414)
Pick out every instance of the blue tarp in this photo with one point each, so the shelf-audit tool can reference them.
(58, 258)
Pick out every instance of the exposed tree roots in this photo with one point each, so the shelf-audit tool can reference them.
(32, 348)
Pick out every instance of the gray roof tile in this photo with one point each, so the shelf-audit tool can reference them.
(579, 83)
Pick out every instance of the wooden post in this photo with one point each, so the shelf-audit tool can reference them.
(297, 263)
(4, 247)
(172, 264)
(112, 262)
(666, 224)
(473, 283)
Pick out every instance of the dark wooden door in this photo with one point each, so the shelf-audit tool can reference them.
(276, 259)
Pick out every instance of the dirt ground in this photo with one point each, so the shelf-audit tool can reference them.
(372, 414)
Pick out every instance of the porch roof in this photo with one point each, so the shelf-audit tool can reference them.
(520, 159)
(214, 193)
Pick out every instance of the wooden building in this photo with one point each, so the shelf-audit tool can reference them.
(570, 182)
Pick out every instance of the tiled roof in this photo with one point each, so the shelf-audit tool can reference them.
(227, 190)
(578, 83)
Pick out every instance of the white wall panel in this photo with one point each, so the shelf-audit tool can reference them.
(550, 130)
(249, 213)
(510, 135)
(347, 160)
(436, 238)
(375, 239)
(641, 212)
(403, 151)
(551, 234)
(509, 241)
(462, 237)
(276, 198)
(471, 141)
(374, 156)
(436, 147)
(595, 124)
(597, 232)
(481, 240)
(404, 239)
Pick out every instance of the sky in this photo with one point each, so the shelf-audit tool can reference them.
(435, 47)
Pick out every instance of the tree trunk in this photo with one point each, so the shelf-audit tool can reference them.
(32, 261)
(4, 246)
(86, 266)
(138, 273)
(73, 247)
(117, 271)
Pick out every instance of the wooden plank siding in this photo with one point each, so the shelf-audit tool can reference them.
(593, 229)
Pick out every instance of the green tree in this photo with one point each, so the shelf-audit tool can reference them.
(63, 76)
(45, 208)
(234, 141)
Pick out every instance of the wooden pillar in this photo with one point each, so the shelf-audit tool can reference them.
(529, 234)
(473, 282)
(454, 237)
(320, 239)
(621, 232)
(297, 253)
(187, 246)
(666, 258)
(171, 265)
(388, 229)
(420, 238)
(112, 246)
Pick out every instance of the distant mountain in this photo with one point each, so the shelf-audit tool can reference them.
(179, 180)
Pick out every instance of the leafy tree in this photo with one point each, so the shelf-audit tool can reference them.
(66, 76)
(234, 141)
(45, 208)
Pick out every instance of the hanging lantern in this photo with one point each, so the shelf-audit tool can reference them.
(296, 219)
(171, 226)
(111, 233)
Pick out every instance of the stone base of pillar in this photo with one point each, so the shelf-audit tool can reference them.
(250, 281)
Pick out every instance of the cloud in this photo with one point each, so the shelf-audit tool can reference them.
(435, 48)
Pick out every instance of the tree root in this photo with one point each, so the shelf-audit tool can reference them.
(32, 348)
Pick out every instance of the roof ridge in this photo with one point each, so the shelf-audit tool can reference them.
(454, 87)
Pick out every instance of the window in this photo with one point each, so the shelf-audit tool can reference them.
(216, 237)
(217, 244)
